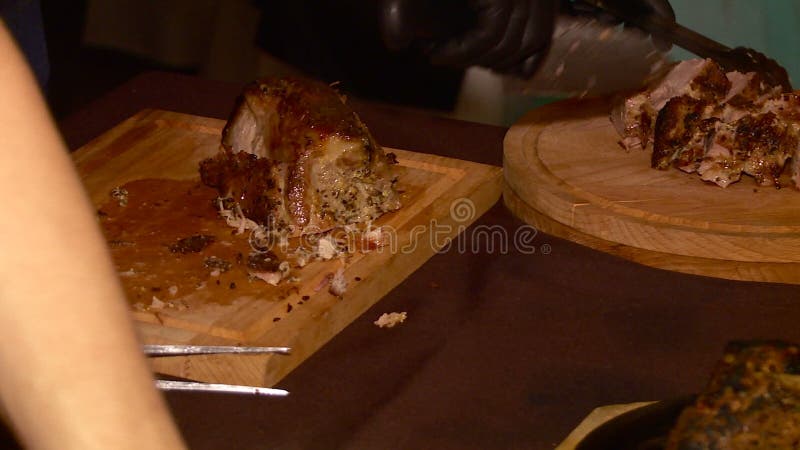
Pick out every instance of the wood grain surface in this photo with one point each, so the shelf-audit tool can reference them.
(440, 196)
(567, 174)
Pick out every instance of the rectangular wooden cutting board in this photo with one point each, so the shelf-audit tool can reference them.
(440, 197)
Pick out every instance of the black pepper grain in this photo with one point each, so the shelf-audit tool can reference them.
(192, 244)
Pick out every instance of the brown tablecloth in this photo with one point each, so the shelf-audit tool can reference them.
(500, 350)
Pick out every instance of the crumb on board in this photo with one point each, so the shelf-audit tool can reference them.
(338, 284)
(389, 320)
(272, 278)
(120, 194)
(156, 303)
(326, 248)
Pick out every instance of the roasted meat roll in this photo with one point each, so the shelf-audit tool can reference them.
(296, 158)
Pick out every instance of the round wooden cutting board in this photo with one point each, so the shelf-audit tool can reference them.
(567, 175)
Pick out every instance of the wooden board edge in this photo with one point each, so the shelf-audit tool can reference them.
(97, 143)
(788, 273)
(146, 115)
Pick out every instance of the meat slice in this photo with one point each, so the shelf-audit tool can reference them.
(702, 79)
(785, 106)
(681, 132)
(748, 94)
(296, 158)
(765, 143)
(757, 144)
(719, 165)
(635, 116)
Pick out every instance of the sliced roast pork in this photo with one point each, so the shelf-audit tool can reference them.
(747, 95)
(680, 132)
(297, 159)
(720, 164)
(635, 116)
(757, 144)
(719, 125)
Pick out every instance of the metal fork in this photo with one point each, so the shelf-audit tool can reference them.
(158, 350)
(742, 59)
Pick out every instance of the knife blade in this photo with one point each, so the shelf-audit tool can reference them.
(195, 386)
(741, 59)
(186, 350)
(586, 57)
(591, 57)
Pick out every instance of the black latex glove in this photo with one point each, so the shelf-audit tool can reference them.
(507, 36)
(633, 9)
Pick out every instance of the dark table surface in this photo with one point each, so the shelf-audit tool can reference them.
(500, 350)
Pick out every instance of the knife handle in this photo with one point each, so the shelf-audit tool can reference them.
(662, 28)
(404, 22)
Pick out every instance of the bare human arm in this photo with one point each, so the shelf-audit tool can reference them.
(72, 372)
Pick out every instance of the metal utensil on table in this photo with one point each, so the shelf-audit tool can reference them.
(184, 350)
(740, 59)
(158, 350)
(196, 386)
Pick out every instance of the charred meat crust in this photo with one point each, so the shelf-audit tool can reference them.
(301, 104)
(765, 143)
(247, 179)
(711, 84)
(754, 90)
(675, 125)
(745, 404)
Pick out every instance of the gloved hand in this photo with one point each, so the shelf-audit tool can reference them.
(508, 36)
(634, 10)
